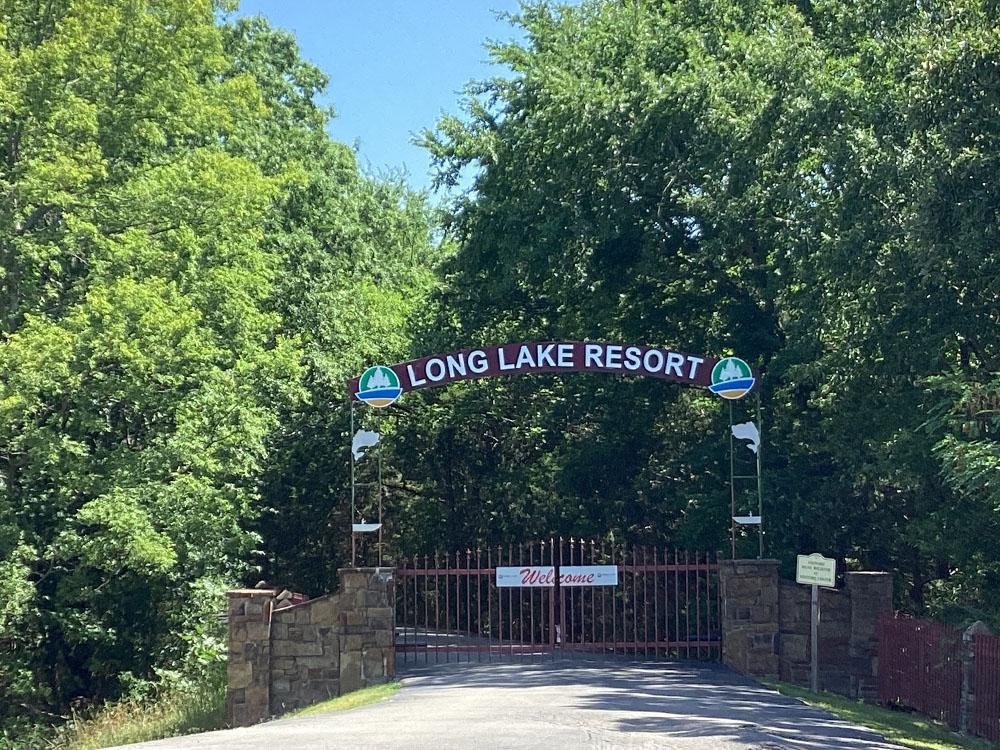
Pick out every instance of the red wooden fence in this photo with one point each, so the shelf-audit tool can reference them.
(666, 604)
(920, 666)
(986, 687)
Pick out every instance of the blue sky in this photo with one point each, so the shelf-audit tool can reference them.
(394, 66)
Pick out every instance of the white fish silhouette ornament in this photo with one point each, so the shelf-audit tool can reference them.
(747, 431)
(363, 439)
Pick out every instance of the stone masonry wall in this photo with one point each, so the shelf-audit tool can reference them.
(766, 626)
(794, 650)
(283, 659)
(750, 616)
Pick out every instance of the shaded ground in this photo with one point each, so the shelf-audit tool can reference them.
(562, 704)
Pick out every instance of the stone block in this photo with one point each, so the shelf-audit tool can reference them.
(374, 661)
(257, 631)
(764, 613)
(325, 610)
(297, 648)
(240, 674)
(350, 672)
(281, 686)
(352, 618)
(795, 647)
(302, 615)
(351, 643)
(312, 662)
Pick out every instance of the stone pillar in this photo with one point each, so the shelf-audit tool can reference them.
(750, 616)
(969, 673)
(871, 598)
(367, 627)
(248, 691)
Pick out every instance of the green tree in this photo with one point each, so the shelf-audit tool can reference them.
(142, 361)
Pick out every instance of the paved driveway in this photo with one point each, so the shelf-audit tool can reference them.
(558, 706)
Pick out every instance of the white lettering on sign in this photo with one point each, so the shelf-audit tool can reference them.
(536, 576)
(478, 362)
(551, 357)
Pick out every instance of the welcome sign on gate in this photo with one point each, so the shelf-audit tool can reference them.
(544, 576)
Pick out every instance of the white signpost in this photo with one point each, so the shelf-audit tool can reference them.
(815, 570)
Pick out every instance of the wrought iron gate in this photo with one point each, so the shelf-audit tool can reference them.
(665, 606)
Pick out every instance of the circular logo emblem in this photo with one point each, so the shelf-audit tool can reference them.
(732, 378)
(378, 386)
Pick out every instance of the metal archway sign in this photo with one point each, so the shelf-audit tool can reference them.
(381, 385)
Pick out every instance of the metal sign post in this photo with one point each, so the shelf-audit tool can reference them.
(814, 640)
(815, 570)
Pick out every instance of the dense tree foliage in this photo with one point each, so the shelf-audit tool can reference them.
(805, 184)
(187, 264)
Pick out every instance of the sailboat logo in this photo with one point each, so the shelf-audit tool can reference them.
(732, 378)
(378, 386)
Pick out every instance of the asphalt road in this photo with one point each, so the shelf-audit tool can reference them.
(557, 706)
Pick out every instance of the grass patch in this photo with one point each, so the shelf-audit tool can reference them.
(903, 728)
(351, 700)
(198, 709)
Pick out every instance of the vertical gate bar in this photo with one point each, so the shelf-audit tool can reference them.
(520, 602)
(635, 606)
(614, 602)
(491, 578)
(687, 608)
(427, 606)
(697, 601)
(468, 601)
(573, 639)
(568, 628)
(562, 601)
(447, 600)
(593, 624)
(645, 601)
(593, 606)
(399, 617)
(531, 602)
(552, 600)
(718, 602)
(416, 606)
(457, 580)
(677, 604)
(604, 614)
(656, 607)
(581, 555)
(479, 604)
(437, 601)
(499, 607)
(666, 604)
(510, 602)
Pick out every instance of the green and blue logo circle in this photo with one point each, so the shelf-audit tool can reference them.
(732, 378)
(378, 386)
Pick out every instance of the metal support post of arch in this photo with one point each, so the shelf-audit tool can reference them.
(358, 527)
(751, 519)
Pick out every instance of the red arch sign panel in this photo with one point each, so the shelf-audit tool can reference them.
(549, 357)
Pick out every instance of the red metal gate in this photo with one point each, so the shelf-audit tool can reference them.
(666, 605)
